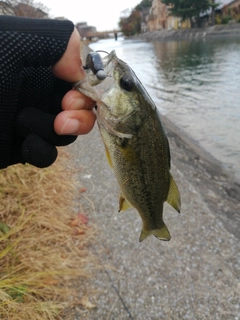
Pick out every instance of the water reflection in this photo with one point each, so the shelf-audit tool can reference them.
(204, 82)
(182, 54)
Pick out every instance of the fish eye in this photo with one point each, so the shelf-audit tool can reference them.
(127, 83)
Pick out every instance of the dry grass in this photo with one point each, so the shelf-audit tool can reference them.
(43, 243)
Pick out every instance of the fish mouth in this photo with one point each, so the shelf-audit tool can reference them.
(93, 87)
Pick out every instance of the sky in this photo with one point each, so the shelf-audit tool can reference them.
(103, 14)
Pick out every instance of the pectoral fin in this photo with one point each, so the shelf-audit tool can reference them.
(161, 234)
(173, 197)
(108, 157)
(123, 204)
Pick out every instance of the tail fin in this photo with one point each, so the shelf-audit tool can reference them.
(161, 234)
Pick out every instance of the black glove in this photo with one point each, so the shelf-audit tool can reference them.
(30, 96)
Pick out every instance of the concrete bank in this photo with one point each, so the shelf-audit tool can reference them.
(194, 276)
(191, 34)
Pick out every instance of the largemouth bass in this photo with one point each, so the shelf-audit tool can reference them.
(136, 145)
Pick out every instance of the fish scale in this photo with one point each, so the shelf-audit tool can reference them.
(136, 145)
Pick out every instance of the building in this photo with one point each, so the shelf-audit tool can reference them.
(229, 3)
(157, 17)
(84, 29)
(160, 18)
(228, 12)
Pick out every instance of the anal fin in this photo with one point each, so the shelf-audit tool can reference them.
(123, 204)
(173, 197)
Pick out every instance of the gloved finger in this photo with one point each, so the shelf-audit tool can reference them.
(41, 90)
(38, 152)
(16, 152)
(31, 120)
(37, 42)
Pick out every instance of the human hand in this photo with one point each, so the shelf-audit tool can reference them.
(78, 116)
(31, 96)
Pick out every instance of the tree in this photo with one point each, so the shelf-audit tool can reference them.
(190, 9)
(130, 23)
(144, 4)
(23, 8)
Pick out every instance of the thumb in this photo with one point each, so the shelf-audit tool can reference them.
(69, 67)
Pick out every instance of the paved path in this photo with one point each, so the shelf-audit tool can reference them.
(194, 276)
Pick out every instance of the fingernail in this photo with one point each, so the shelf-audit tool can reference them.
(75, 104)
(78, 104)
(70, 126)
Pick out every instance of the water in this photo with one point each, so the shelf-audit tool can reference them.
(196, 84)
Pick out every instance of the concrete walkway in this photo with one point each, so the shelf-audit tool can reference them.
(194, 276)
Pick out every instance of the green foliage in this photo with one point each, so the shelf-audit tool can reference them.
(17, 293)
(144, 4)
(4, 228)
(188, 9)
(226, 19)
